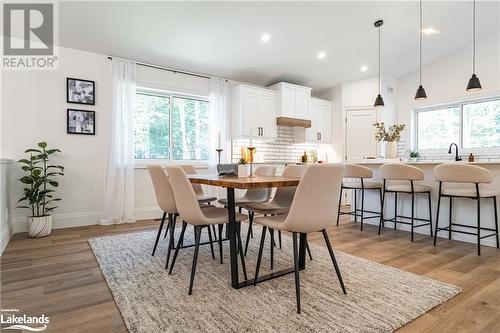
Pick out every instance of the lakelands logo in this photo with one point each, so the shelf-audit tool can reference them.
(29, 35)
(11, 320)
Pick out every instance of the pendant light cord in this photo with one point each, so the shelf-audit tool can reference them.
(379, 60)
(474, 37)
(420, 59)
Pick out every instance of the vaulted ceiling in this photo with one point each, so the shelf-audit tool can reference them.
(224, 38)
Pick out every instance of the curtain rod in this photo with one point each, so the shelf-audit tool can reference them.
(175, 71)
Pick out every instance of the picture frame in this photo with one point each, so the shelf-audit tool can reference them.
(80, 122)
(80, 91)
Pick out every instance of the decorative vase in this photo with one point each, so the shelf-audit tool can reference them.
(40, 226)
(391, 150)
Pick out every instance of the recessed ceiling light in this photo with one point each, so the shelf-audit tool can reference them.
(265, 38)
(430, 31)
(321, 55)
(364, 68)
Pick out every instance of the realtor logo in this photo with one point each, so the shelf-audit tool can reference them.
(29, 36)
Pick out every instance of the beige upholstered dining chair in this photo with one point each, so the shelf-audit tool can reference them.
(191, 212)
(470, 179)
(406, 177)
(311, 211)
(166, 202)
(360, 173)
(280, 204)
(198, 190)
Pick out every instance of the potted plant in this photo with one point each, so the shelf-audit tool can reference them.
(40, 181)
(390, 136)
(414, 155)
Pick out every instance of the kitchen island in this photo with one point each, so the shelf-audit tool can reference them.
(464, 211)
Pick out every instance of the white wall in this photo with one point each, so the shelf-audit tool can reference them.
(445, 80)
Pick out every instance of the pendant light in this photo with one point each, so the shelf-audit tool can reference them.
(420, 91)
(379, 101)
(474, 83)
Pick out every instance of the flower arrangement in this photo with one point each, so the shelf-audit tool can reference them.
(391, 134)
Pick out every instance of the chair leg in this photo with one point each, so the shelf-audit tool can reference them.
(296, 269)
(437, 219)
(171, 240)
(211, 241)
(259, 256)
(166, 230)
(496, 220)
(279, 237)
(449, 219)
(355, 206)
(395, 209)
(179, 242)
(478, 226)
(381, 212)
(430, 213)
(239, 210)
(362, 207)
(197, 236)
(332, 256)
(412, 213)
(240, 247)
(220, 226)
(214, 232)
(338, 210)
(159, 231)
(271, 231)
(308, 251)
(249, 232)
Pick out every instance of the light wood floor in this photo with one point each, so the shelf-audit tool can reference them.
(59, 276)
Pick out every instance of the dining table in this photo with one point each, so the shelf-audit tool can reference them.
(245, 183)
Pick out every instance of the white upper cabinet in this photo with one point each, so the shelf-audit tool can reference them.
(292, 100)
(321, 123)
(253, 111)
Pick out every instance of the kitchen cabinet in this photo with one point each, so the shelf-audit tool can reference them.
(292, 101)
(253, 111)
(321, 124)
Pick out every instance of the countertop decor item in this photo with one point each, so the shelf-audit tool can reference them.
(390, 136)
(414, 155)
(251, 150)
(40, 181)
(471, 157)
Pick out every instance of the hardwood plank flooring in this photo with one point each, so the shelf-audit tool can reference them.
(59, 276)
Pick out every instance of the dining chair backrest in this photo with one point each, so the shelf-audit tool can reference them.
(462, 173)
(284, 195)
(185, 197)
(357, 171)
(264, 194)
(163, 189)
(313, 207)
(190, 170)
(400, 171)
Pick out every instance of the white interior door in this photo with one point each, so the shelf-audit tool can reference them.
(360, 134)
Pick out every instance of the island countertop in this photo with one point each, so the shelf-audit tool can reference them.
(380, 161)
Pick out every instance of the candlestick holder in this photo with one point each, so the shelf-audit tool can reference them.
(251, 150)
(219, 151)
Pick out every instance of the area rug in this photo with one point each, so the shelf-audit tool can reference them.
(379, 298)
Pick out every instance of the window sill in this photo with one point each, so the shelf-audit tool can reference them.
(143, 164)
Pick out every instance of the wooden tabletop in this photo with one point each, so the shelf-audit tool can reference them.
(243, 182)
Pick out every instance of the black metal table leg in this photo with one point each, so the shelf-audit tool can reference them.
(231, 227)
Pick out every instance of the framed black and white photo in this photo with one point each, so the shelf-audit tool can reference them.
(81, 122)
(80, 91)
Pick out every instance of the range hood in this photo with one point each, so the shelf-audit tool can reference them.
(293, 122)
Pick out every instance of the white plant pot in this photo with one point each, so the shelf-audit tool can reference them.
(242, 170)
(391, 150)
(39, 226)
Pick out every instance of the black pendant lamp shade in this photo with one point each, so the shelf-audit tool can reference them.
(379, 101)
(474, 83)
(420, 91)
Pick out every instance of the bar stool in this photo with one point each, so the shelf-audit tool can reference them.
(407, 174)
(360, 172)
(471, 175)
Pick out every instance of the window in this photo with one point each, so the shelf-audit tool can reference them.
(171, 126)
(470, 124)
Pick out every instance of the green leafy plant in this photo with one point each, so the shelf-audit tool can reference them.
(242, 161)
(392, 134)
(41, 180)
(414, 154)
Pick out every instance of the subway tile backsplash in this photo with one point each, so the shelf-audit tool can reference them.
(281, 151)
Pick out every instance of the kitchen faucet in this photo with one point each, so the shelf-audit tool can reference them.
(457, 158)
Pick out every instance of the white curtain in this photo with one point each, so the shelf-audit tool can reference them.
(118, 191)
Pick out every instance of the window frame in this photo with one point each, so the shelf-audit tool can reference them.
(143, 163)
(460, 104)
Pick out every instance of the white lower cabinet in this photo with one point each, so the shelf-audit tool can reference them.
(253, 112)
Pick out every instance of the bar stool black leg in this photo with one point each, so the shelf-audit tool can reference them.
(478, 224)
(381, 212)
(437, 214)
(279, 237)
(355, 206)
(496, 221)
(449, 221)
(430, 213)
(362, 206)
(395, 209)
(412, 213)
(272, 248)
(338, 211)
(381, 202)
